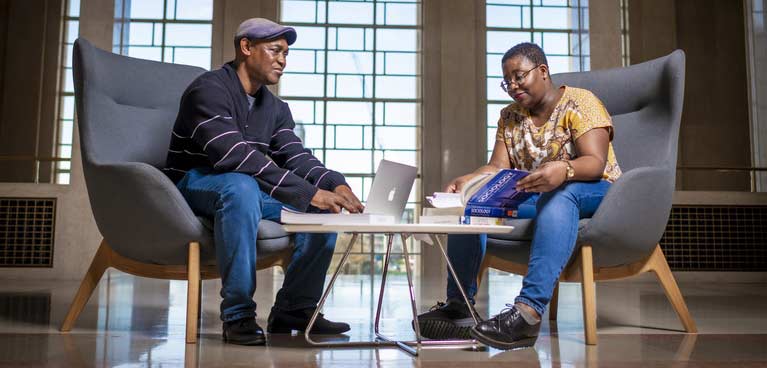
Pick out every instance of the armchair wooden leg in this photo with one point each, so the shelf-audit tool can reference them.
(99, 264)
(661, 269)
(193, 292)
(589, 295)
(554, 304)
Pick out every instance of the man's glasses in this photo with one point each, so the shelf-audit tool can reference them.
(517, 78)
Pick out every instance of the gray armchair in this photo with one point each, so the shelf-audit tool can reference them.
(621, 239)
(126, 108)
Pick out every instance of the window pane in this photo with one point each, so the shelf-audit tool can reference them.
(350, 12)
(396, 87)
(72, 30)
(69, 84)
(194, 9)
(555, 44)
(298, 11)
(140, 34)
(400, 63)
(350, 62)
(68, 107)
(349, 161)
(494, 91)
(302, 111)
(149, 53)
(494, 65)
(397, 14)
(188, 35)
(391, 137)
(73, 8)
(349, 86)
(312, 136)
(350, 38)
(348, 136)
(192, 56)
(396, 39)
(494, 113)
(551, 18)
(152, 9)
(400, 113)
(301, 85)
(345, 112)
(504, 16)
(65, 134)
(500, 42)
(301, 61)
(309, 38)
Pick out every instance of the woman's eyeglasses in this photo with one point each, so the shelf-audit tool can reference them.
(518, 78)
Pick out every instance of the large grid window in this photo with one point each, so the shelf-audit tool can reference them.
(353, 84)
(560, 27)
(66, 113)
(171, 31)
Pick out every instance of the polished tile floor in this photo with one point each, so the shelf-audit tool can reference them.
(136, 322)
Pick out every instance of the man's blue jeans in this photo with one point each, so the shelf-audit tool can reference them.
(237, 205)
(556, 216)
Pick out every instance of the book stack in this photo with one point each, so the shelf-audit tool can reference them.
(486, 199)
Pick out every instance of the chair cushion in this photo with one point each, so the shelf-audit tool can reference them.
(271, 237)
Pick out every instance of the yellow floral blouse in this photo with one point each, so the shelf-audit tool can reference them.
(577, 112)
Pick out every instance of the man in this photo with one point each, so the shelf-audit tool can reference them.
(235, 158)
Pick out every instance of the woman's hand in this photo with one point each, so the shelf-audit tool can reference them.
(456, 185)
(546, 178)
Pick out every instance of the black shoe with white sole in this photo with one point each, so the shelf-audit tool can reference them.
(507, 330)
(446, 321)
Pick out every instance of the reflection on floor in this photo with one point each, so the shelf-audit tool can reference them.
(140, 322)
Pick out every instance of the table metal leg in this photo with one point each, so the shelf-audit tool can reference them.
(400, 344)
(383, 283)
(412, 290)
(327, 292)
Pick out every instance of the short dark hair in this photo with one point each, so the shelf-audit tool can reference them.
(529, 50)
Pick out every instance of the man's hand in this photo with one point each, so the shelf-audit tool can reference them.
(546, 178)
(346, 192)
(327, 200)
(456, 186)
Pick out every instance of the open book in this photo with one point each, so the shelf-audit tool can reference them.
(489, 195)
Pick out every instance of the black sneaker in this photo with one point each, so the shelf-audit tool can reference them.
(507, 330)
(286, 322)
(444, 321)
(244, 332)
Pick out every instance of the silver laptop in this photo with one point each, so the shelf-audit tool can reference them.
(391, 189)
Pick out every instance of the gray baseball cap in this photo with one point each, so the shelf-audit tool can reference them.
(264, 29)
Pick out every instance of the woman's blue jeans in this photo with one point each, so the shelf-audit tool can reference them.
(556, 216)
(236, 204)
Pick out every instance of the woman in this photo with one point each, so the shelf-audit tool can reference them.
(561, 135)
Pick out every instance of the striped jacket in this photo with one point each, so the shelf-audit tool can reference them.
(215, 128)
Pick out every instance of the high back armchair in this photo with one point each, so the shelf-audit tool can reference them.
(126, 108)
(621, 239)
